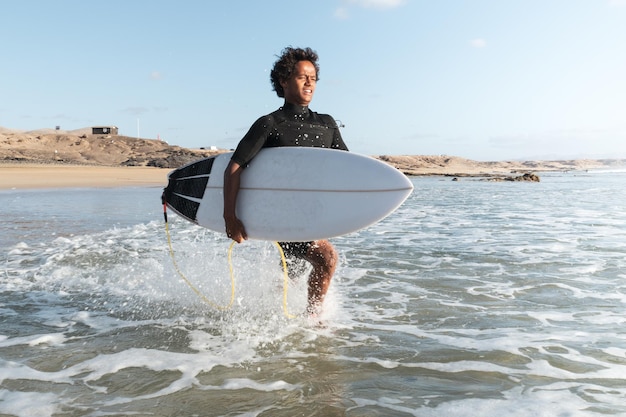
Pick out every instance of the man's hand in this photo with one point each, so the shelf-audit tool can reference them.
(235, 229)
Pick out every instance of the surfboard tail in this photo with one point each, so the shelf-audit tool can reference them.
(186, 187)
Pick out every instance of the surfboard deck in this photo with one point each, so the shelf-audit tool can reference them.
(291, 193)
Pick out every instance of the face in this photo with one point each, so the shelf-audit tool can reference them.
(300, 87)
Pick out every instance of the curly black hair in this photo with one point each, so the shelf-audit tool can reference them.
(286, 63)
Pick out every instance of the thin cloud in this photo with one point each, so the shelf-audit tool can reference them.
(478, 43)
(343, 12)
(617, 3)
(377, 4)
(61, 116)
(422, 136)
(139, 110)
(136, 111)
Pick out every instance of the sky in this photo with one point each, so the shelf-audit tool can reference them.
(480, 79)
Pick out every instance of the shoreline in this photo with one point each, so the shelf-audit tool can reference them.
(55, 159)
(31, 176)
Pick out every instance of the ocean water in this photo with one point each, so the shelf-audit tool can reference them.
(474, 298)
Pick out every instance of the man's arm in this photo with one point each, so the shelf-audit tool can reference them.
(232, 180)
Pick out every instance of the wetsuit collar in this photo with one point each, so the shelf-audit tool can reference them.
(295, 109)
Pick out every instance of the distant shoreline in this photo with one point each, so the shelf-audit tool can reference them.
(20, 175)
(44, 159)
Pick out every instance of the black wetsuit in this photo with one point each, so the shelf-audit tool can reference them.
(290, 125)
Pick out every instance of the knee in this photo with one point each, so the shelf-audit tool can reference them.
(323, 255)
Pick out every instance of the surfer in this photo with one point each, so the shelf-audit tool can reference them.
(294, 78)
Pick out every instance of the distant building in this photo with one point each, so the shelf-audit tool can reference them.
(104, 130)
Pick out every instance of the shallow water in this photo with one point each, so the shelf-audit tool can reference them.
(474, 298)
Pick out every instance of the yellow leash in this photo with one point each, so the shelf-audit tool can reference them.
(285, 281)
(232, 276)
(197, 291)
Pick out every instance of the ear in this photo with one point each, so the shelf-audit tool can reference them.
(282, 83)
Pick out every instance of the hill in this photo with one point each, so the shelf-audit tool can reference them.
(69, 148)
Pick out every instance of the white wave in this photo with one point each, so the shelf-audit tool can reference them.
(29, 404)
(492, 298)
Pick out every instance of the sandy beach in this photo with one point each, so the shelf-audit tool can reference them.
(33, 176)
(47, 159)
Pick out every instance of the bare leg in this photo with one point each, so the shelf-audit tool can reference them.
(323, 258)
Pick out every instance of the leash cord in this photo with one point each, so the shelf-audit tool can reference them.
(190, 285)
(232, 273)
(285, 281)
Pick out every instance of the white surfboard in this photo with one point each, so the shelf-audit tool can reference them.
(291, 194)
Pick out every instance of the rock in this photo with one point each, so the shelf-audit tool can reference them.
(527, 177)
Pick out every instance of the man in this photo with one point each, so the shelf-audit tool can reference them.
(294, 78)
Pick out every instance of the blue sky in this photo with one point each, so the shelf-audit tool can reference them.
(481, 79)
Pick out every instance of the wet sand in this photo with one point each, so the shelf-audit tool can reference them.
(33, 176)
